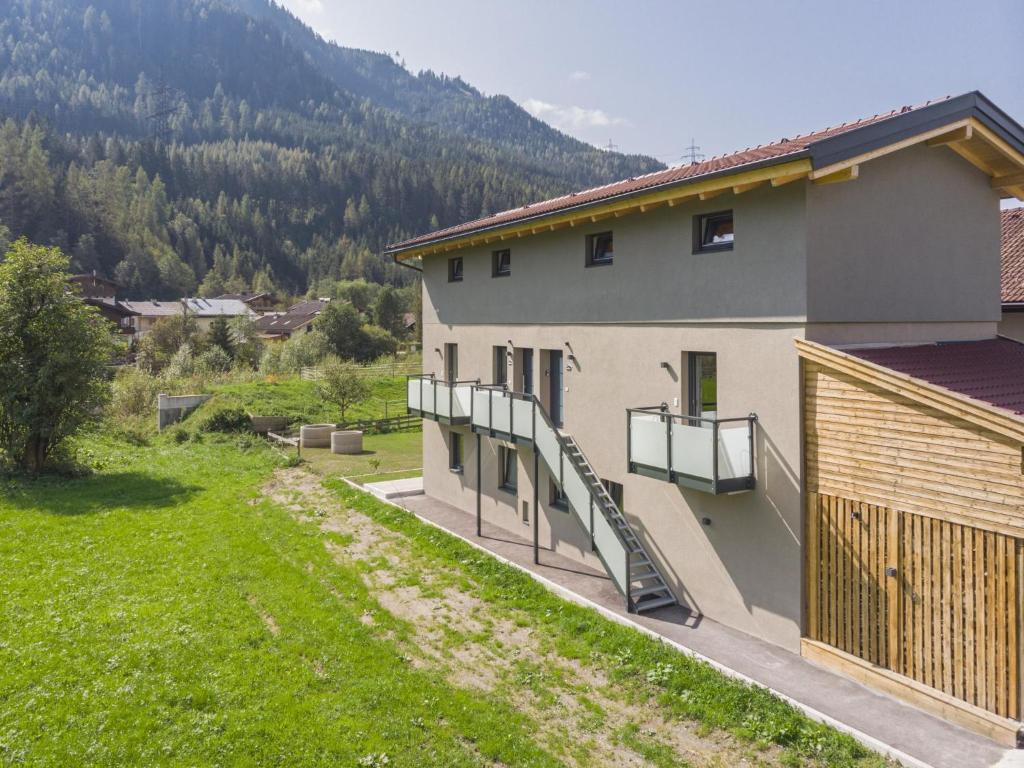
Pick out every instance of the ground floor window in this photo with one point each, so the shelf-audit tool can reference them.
(558, 498)
(615, 491)
(509, 474)
(455, 452)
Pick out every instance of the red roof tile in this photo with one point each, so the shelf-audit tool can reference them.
(778, 150)
(1013, 255)
(991, 371)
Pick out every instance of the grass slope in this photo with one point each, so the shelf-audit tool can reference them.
(152, 615)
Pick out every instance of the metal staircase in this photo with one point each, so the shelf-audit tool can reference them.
(647, 588)
(518, 417)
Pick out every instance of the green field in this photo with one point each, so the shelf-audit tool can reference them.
(201, 604)
(385, 457)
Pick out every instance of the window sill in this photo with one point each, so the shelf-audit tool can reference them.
(713, 249)
(502, 274)
(457, 470)
(509, 489)
(601, 263)
(560, 507)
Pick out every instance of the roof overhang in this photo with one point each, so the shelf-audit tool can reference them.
(955, 404)
(970, 125)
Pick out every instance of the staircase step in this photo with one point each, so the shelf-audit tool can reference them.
(645, 576)
(650, 605)
(639, 563)
(649, 590)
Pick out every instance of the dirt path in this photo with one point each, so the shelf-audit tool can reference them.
(582, 718)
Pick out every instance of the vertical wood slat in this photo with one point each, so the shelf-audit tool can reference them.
(951, 617)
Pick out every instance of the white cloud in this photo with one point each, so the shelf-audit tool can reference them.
(571, 117)
(578, 76)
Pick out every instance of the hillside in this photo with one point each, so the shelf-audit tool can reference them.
(223, 145)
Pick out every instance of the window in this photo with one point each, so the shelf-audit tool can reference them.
(455, 270)
(703, 384)
(500, 366)
(451, 362)
(455, 452)
(558, 498)
(712, 232)
(501, 263)
(509, 478)
(600, 249)
(526, 360)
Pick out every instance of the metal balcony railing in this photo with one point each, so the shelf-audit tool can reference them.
(711, 455)
(445, 401)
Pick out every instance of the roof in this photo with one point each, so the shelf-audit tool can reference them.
(154, 308)
(215, 307)
(1013, 256)
(120, 308)
(283, 323)
(991, 371)
(818, 150)
(308, 307)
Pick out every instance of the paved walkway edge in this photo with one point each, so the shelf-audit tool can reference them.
(866, 739)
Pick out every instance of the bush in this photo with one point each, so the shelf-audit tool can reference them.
(213, 360)
(344, 385)
(303, 350)
(221, 416)
(375, 342)
(134, 394)
(182, 364)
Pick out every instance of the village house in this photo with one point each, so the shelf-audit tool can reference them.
(257, 302)
(298, 318)
(768, 387)
(148, 313)
(101, 293)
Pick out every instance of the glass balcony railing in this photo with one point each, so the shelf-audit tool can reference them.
(447, 401)
(711, 455)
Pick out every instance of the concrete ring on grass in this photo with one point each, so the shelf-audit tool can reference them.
(347, 441)
(316, 435)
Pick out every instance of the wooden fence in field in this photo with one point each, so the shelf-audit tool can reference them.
(397, 368)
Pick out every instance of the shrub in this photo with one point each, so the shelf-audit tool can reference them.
(134, 394)
(221, 416)
(182, 364)
(213, 360)
(344, 385)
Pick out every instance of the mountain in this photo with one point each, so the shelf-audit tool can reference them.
(223, 145)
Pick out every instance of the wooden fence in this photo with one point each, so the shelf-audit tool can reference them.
(933, 600)
(398, 368)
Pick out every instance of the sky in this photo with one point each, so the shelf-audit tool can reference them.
(649, 76)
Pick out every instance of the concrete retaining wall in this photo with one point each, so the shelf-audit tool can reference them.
(170, 410)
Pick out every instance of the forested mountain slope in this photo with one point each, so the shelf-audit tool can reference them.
(204, 144)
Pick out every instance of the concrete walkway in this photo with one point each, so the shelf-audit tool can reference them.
(883, 724)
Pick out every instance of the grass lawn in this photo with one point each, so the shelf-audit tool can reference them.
(200, 604)
(301, 403)
(385, 457)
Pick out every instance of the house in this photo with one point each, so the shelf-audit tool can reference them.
(148, 313)
(767, 386)
(257, 302)
(298, 318)
(101, 293)
(205, 311)
(1013, 274)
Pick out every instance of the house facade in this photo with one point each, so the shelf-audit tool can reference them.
(298, 318)
(622, 372)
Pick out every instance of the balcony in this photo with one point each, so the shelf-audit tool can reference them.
(710, 455)
(448, 402)
(501, 413)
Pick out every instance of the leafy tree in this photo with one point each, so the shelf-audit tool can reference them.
(374, 342)
(343, 384)
(167, 337)
(53, 355)
(220, 336)
(341, 326)
(247, 345)
(389, 311)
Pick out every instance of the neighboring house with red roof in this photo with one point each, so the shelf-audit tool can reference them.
(615, 372)
(1013, 274)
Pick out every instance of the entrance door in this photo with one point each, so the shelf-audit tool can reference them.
(932, 600)
(557, 389)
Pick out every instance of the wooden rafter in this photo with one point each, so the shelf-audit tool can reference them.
(849, 173)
